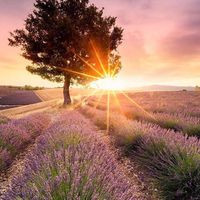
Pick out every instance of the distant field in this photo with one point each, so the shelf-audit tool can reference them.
(160, 102)
(50, 94)
(19, 103)
(10, 97)
(4, 91)
(20, 98)
(13, 97)
(21, 111)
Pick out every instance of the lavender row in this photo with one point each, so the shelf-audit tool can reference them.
(177, 121)
(17, 134)
(70, 161)
(172, 159)
(163, 102)
(4, 120)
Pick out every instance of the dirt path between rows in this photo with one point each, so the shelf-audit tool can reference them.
(16, 168)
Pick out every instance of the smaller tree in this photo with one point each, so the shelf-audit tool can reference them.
(197, 88)
(69, 40)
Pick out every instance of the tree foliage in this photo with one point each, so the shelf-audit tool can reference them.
(60, 34)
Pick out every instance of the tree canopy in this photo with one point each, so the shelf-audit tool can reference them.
(69, 40)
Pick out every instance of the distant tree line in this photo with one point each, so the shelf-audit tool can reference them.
(197, 88)
(26, 87)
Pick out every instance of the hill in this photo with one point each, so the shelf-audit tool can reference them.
(163, 88)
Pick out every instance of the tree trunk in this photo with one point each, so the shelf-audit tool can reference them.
(67, 98)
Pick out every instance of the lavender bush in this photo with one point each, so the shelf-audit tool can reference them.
(71, 161)
(163, 102)
(33, 124)
(17, 134)
(172, 159)
(177, 121)
(4, 120)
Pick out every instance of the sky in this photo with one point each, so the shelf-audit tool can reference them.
(161, 43)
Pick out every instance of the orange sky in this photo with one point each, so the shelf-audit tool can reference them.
(161, 42)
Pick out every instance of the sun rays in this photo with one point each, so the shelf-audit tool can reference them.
(108, 112)
(108, 86)
(99, 59)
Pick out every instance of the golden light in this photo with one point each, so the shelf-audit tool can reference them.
(108, 83)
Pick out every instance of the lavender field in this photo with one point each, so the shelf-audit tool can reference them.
(145, 146)
(99, 100)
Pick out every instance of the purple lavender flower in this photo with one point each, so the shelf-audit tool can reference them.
(17, 134)
(71, 161)
(171, 157)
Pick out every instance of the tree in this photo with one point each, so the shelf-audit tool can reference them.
(197, 88)
(70, 41)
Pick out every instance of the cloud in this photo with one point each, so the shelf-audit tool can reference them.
(183, 43)
(15, 7)
(182, 46)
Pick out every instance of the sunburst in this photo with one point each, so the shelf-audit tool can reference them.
(106, 79)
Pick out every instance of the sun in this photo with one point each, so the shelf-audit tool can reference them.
(108, 83)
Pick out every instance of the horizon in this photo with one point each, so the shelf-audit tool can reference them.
(91, 87)
(168, 56)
